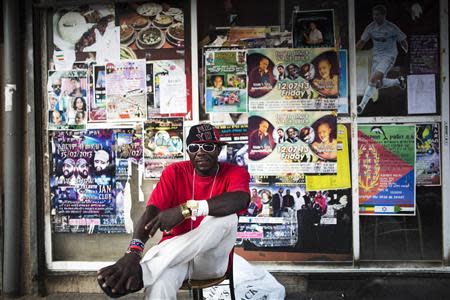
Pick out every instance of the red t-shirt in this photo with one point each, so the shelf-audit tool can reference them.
(175, 188)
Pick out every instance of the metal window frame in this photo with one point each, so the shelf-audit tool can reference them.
(353, 120)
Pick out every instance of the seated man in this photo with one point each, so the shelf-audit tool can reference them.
(195, 205)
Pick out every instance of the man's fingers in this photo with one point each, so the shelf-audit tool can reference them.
(154, 228)
(131, 283)
(105, 272)
(111, 280)
(149, 225)
(118, 287)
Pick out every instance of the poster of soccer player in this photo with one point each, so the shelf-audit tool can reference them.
(83, 187)
(342, 179)
(428, 159)
(292, 142)
(387, 169)
(397, 57)
(163, 144)
(226, 81)
(288, 79)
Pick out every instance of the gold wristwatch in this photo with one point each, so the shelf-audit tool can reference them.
(185, 211)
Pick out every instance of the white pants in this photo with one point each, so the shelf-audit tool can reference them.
(382, 64)
(201, 253)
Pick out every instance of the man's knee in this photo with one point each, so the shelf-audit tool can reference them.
(224, 222)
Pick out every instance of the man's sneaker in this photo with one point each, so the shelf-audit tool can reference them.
(402, 81)
(360, 109)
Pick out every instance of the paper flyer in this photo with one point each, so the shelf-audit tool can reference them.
(386, 169)
(170, 86)
(129, 150)
(226, 81)
(126, 90)
(83, 186)
(342, 179)
(236, 149)
(97, 106)
(428, 160)
(292, 79)
(67, 93)
(292, 142)
(163, 145)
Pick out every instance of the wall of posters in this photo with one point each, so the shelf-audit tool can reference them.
(226, 81)
(126, 90)
(163, 145)
(85, 195)
(292, 142)
(387, 169)
(428, 160)
(282, 79)
(399, 42)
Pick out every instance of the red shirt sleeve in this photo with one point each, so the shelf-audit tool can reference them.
(239, 180)
(162, 195)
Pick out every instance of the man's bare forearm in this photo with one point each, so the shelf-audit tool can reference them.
(228, 203)
(139, 231)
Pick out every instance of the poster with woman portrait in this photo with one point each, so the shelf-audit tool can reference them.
(83, 186)
(163, 144)
(67, 93)
(226, 81)
(293, 79)
(292, 142)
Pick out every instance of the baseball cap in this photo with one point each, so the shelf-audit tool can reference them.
(204, 133)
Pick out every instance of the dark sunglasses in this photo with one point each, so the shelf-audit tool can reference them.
(207, 147)
(56, 85)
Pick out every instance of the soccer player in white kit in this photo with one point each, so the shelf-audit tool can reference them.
(384, 35)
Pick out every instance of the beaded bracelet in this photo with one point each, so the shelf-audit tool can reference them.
(136, 246)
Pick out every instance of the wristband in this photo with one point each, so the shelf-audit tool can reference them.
(198, 208)
(185, 211)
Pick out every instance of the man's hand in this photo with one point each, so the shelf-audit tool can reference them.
(124, 276)
(165, 220)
